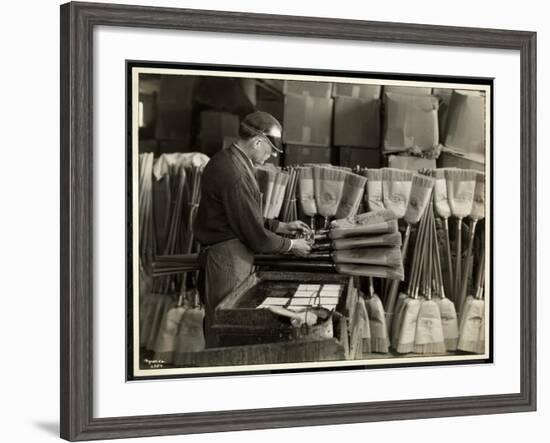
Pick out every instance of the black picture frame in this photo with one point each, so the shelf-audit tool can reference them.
(77, 214)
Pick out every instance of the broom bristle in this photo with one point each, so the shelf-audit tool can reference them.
(422, 181)
(399, 175)
(355, 180)
(379, 330)
(460, 174)
(405, 341)
(375, 217)
(395, 259)
(438, 173)
(306, 173)
(332, 174)
(449, 323)
(374, 174)
(429, 331)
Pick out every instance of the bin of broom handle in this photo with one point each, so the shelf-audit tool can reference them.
(461, 185)
(421, 191)
(477, 214)
(443, 210)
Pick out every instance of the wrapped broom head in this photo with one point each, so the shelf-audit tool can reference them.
(449, 323)
(375, 199)
(396, 189)
(461, 185)
(441, 200)
(407, 327)
(421, 191)
(388, 227)
(478, 205)
(428, 337)
(371, 256)
(328, 186)
(306, 191)
(371, 271)
(352, 193)
(471, 326)
(375, 217)
(380, 341)
(360, 340)
(368, 241)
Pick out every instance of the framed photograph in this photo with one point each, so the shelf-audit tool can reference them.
(233, 210)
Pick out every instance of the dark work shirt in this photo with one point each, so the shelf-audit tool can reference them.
(230, 206)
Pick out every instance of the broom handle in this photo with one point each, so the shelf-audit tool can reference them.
(439, 272)
(458, 262)
(468, 267)
(480, 281)
(449, 258)
(394, 288)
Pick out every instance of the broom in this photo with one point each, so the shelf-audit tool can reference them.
(266, 181)
(477, 214)
(366, 218)
(460, 190)
(352, 193)
(449, 320)
(360, 334)
(370, 271)
(307, 194)
(443, 210)
(368, 241)
(429, 330)
(470, 298)
(472, 333)
(374, 196)
(370, 256)
(379, 331)
(421, 191)
(281, 183)
(328, 186)
(388, 227)
(396, 189)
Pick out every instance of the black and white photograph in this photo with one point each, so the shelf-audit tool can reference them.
(283, 221)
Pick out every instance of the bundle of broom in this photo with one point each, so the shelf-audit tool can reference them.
(369, 248)
(472, 320)
(418, 201)
(306, 194)
(328, 184)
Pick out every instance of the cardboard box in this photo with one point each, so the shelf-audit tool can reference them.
(410, 163)
(364, 157)
(299, 154)
(467, 161)
(215, 128)
(466, 123)
(313, 89)
(444, 96)
(307, 120)
(410, 121)
(408, 90)
(356, 90)
(356, 122)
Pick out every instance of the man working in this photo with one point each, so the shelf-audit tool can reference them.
(229, 224)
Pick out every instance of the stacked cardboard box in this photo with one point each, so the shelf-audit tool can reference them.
(307, 120)
(466, 122)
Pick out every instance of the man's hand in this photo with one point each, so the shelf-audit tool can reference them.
(300, 247)
(292, 227)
